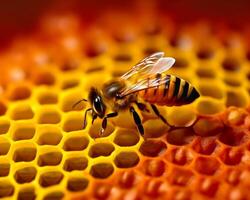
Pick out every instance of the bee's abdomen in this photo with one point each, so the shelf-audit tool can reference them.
(172, 91)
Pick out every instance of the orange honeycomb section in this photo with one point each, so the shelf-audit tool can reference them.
(45, 153)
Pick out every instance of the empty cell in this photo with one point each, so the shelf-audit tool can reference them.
(69, 100)
(25, 175)
(51, 178)
(237, 98)
(24, 154)
(95, 50)
(205, 53)
(6, 189)
(180, 136)
(208, 187)
(180, 156)
(75, 163)
(73, 122)
(101, 170)
(23, 131)
(94, 130)
(180, 176)
(95, 69)
(49, 135)
(102, 190)
(126, 137)
(101, 149)
(57, 195)
(231, 64)
(209, 106)
(70, 83)
(126, 159)
(206, 145)
(150, 50)
(159, 128)
(77, 184)
(19, 93)
(181, 62)
(50, 159)
(207, 89)
(44, 78)
(4, 169)
(27, 194)
(76, 144)
(154, 167)
(5, 147)
(152, 188)
(48, 116)
(152, 148)
(232, 176)
(47, 97)
(232, 137)
(3, 108)
(232, 81)
(205, 72)
(231, 156)
(4, 125)
(70, 65)
(122, 58)
(127, 178)
(21, 111)
(206, 165)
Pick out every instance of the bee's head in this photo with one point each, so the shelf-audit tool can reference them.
(96, 101)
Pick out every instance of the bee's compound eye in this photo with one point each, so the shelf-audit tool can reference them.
(98, 105)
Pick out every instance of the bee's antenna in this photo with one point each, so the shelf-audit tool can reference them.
(81, 100)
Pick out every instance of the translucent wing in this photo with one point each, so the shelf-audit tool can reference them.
(143, 85)
(152, 64)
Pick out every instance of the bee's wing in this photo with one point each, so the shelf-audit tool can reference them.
(143, 85)
(152, 64)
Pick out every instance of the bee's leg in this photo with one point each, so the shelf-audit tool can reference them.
(156, 111)
(94, 116)
(85, 118)
(104, 121)
(142, 106)
(137, 120)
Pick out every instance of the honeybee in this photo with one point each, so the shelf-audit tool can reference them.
(147, 81)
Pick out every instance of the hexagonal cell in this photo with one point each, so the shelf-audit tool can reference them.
(231, 64)
(126, 159)
(50, 159)
(70, 65)
(76, 143)
(205, 53)
(152, 148)
(154, 167)
(20, 92)
(181, 62)
(27, 193)
(77, 184)
(208, 127)
(232, 176)
(208, 186)
(6, 189)
(51, 178)
(207, 89)
(205, 72)
(24, 154)
(232, 81)
(49, 135)
(180, 156)
(126, 137)
(102, 190)
(101, 149)
(237, 98)
(69, 99)
(180, 136)
(5, 146)
(70, 83)
(57, 195)
(73, 122)
(47, 97)
(232, 137)
(127, 178)
(159, 128)
(206, 165)
(101, 170)
(209, 106)
(4, 125)
(3, 108)
(122, 58)
(231, 156)
(152, 188)
(95, 50)
(44, 78)
(4, 169)
(94, 130)
(21, 111)
(23, 131)
(95, 69)
(206, 145)
(75, 163)
(48, 116)
(179, 176)
(25, 175)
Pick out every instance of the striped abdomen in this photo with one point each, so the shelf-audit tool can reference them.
(171, 91)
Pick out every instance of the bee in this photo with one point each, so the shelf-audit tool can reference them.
(147, 81)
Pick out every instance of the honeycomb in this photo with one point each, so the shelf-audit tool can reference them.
(46, 154)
